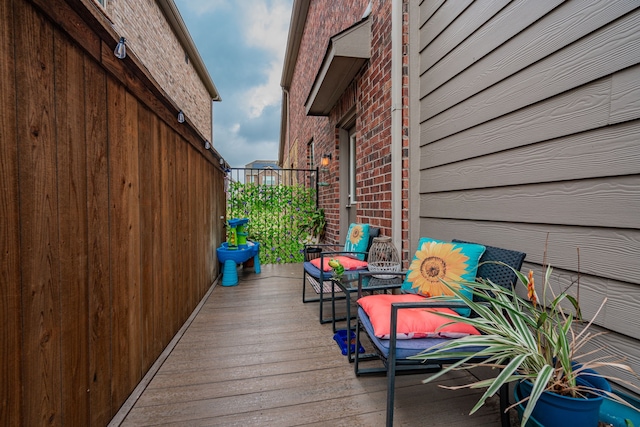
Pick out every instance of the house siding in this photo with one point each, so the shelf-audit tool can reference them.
(367, 98)
(526, 135)
(154, 42)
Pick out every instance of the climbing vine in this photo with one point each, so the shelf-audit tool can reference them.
(281, 217)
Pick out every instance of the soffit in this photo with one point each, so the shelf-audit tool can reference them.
(347, 52)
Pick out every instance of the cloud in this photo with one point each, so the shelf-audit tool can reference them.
(242, 44)
(268, 25)
(267, 29)
(200, 7)
(244, 147)
(265, 95)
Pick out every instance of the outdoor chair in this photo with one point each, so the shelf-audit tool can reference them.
(395, 352)
(318, 255)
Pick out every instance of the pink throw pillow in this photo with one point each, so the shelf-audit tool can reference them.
(412, 322)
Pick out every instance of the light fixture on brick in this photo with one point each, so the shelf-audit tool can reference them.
(121, 49)
(324, 162)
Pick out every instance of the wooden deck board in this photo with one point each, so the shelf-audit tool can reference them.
(255, 355)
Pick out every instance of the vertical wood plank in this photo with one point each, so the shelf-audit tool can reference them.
(134, 235)
(72, 220)
(125, 240)
(173, 290)
(156, 187)
(216, 203)
(149, 215)
(168, 247)
(177, 222)
(160, 273)
(182, 217)
(213, 214)
(39, 257)
(200, 205)
(192, 229)
(198, 233)
(200, 199)
(99, 278)
(191, 195)
(11, 330)
(217, 233)
(146, 237)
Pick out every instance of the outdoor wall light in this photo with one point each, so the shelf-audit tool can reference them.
(207, 145)
(121, 49)
(326, 159)
(324, 162)
(180, 117)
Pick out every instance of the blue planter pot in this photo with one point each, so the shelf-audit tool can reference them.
(618, 415)
(555, 410)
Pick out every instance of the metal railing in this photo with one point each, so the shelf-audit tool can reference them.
(281, 205)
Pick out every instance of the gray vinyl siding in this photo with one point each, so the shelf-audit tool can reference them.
(525, 123)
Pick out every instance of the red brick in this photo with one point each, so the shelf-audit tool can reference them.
(370, 95)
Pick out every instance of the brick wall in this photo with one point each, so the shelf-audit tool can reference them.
(150, 37)
(370, 94)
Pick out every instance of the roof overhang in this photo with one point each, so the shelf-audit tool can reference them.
(347, 52)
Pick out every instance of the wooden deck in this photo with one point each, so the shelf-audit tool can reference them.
(255, 355)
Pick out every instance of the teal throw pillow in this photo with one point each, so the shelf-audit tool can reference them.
(357, 239)
(435, 260)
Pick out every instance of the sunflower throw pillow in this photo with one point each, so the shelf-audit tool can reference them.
(357, 239)
(435, 260)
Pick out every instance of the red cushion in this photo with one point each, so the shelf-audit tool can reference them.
(347, 262)
(412, 322)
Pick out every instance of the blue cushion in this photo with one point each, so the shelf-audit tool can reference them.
(404, 348)
(357, 240)
(435, 260)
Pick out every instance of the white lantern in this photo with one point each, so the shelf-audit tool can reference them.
(383, 257)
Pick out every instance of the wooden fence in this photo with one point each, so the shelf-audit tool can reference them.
(109, 217)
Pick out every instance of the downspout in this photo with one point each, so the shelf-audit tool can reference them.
(285, 104)
(396, 124)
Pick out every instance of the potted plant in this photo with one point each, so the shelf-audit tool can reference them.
(311, 233)
(312, 227)
(529, 342)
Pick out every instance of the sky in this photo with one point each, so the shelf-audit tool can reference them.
(242, 44)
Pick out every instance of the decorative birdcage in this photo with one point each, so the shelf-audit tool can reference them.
(383, 257)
